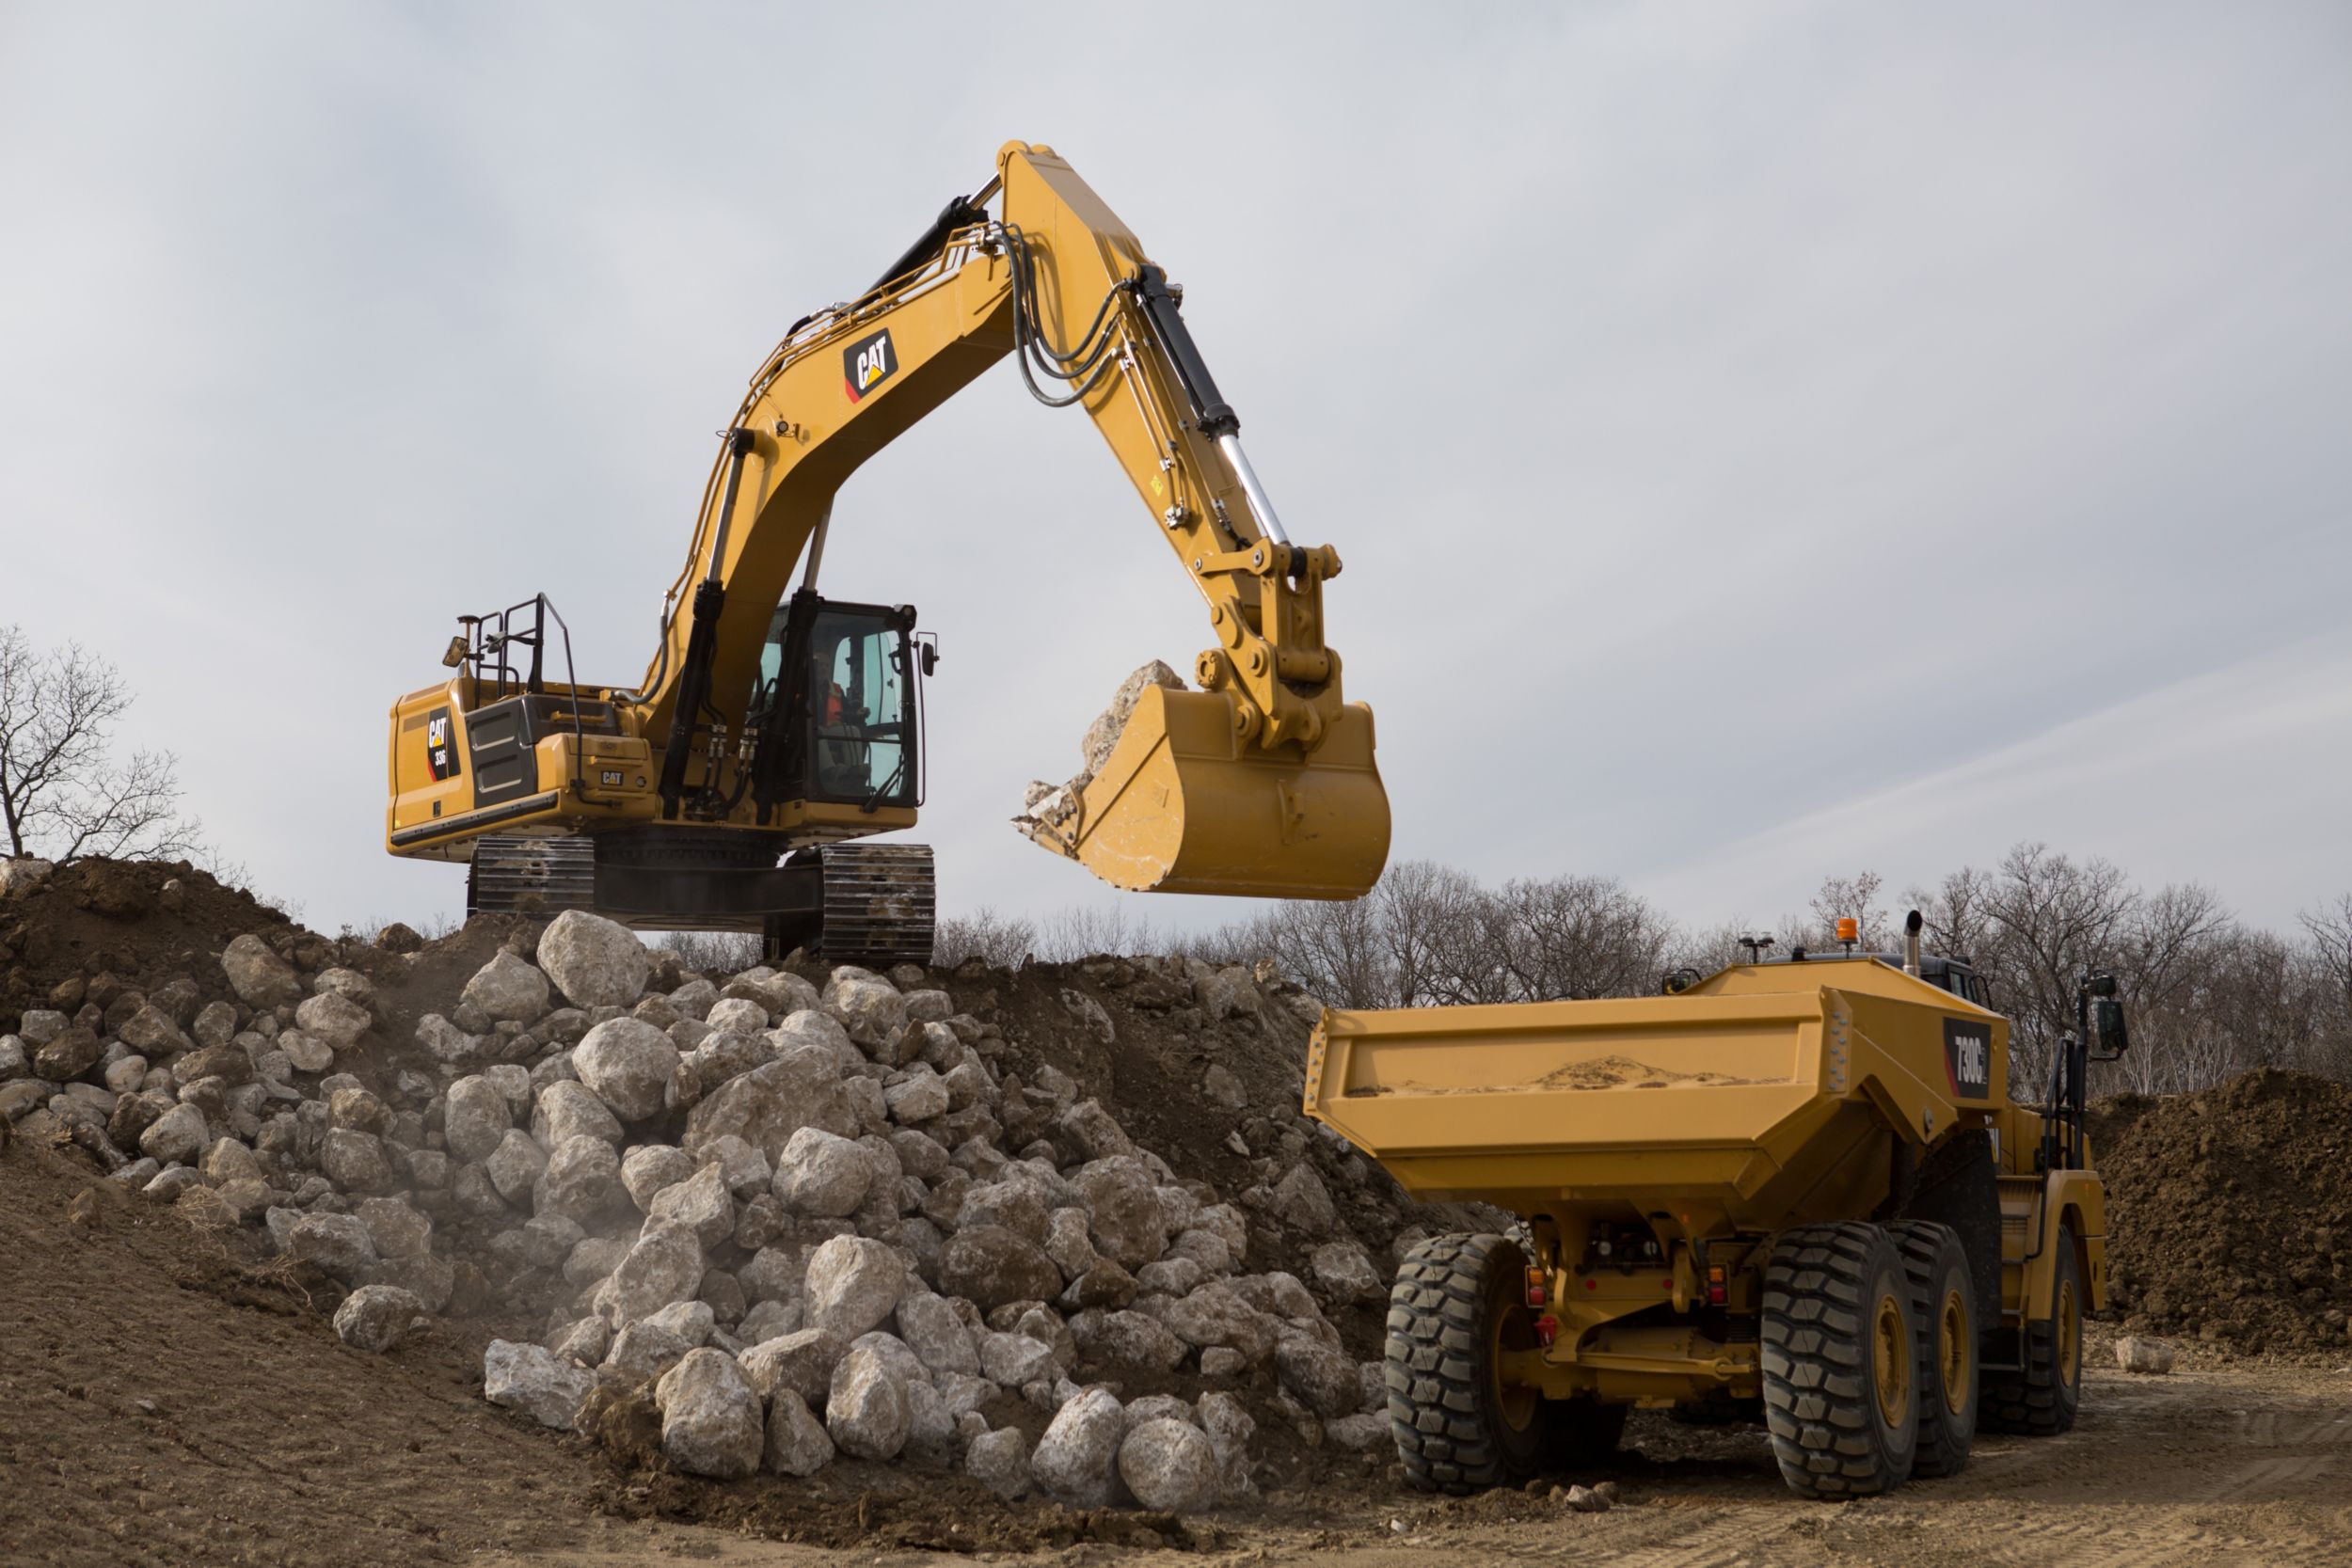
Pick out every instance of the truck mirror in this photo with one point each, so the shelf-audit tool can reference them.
(2108, 1036)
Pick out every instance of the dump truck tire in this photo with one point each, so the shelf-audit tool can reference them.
(1458, 1301)
(1840, 1361)
(2041, 1401)
(1944, 1311)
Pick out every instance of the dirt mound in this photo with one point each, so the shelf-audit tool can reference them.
(164, 1401)
(144, 923)
(2230, 1212)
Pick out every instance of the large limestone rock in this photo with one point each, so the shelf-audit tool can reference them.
(334, 1018)
(801, 1087)
(583, 1180)
(1230, 1428)
(999, 1461)
(1128, 1225)
(258, 976)
(1217, 1315)
(1230, 992)
(2138, 1352)
(1343, 1269)
(1129, 1339)
(475, 1118)
(356, 1162)
(594, 961)
(652, 1168)
(1074, 1459)
(377, 1317)
(508, 989)
(871, 1010)
(643, 1350)
(530, 1378)
(1302, 1201)
(627, 1063)
(711, 1421)
(823, 1174)
(865, 1409)
(395, 1229)
(1169, 1465)
(801, 1362)
(701, 1203)
(797, 1443)
(854, 1283)
(1101, 736)
(151, 1030)
(178, 1133)
(516, 1165)
(566, 1110)
(67, 1055)
(1323, 1378)
(1015, 1360)
(665, 1266)
(991, 1265)
(932, 1330)
(339, 1244)
(21, 876)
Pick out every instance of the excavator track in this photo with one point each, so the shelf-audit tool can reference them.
(881, 905)
(873, 903)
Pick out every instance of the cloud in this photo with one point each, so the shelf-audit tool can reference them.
(2241, 765)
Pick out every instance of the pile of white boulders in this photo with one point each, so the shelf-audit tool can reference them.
(828, 1223)
(816, 1222)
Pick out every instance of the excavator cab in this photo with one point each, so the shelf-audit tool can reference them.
(838, 704)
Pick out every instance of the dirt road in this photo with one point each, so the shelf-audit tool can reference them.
(2237, 1465)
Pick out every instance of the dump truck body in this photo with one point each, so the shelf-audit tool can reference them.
(1658, 1150)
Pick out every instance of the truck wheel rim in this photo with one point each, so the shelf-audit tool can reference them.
(1515, 1404)
(1890, 1361)
(1953, 1350)
(2070, 1334)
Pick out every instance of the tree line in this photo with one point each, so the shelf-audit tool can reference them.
(2208, 995)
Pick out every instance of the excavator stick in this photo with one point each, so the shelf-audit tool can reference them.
(1182, 805)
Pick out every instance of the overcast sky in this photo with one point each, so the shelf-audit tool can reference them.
(1765, 440)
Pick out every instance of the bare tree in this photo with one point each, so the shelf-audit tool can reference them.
(61, 792)
(1569, 937)
(1853, 899)
(2330, 928)
(1001, 941)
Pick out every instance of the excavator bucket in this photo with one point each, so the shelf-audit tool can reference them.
(1182, 806)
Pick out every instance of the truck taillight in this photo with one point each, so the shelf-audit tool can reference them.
(1538, 1293)
(1718, 1288)
(1547, 1330)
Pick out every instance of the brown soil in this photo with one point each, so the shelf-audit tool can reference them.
(165, 1400)
(2231, 1462)
(100, 916)
(2230, 1212)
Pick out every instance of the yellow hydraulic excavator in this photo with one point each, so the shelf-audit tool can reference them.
(775, 725)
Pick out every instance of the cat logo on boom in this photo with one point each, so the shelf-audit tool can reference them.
(868, 363)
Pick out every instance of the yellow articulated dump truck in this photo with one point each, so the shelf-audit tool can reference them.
(1798, 1190)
